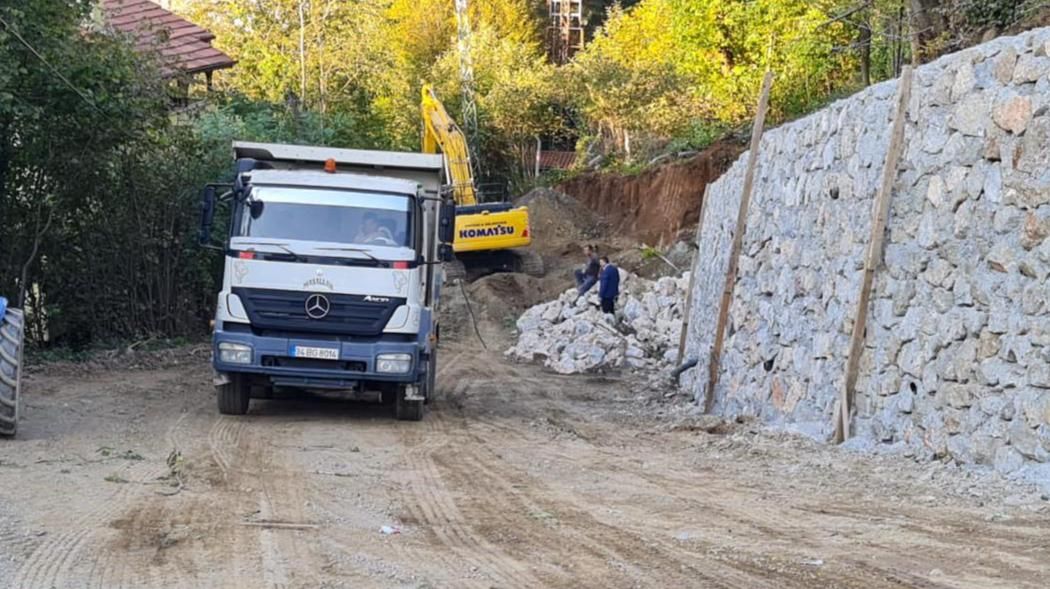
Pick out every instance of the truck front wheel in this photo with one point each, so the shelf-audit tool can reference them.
(234, 396)
(409, 410)
(432, 366)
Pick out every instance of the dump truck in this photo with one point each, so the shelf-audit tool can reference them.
(332, 274)
(12, 338)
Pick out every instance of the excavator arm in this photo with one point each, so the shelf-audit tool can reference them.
(485, 232)
(442, 135)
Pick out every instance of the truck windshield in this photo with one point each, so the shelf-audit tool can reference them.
(331, 216)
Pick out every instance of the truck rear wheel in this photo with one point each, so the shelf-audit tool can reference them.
(234, 396)
(12, 337)
(409, 410)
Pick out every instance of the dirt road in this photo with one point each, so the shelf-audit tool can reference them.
(517, 478)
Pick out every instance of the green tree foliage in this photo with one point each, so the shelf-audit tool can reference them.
(664, 65)
(365, 58)
(79, 135)
(99, 179)
(516, 92)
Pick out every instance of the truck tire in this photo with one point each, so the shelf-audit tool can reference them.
(234, 396)
(431, 385)
(409, 410)
(12, 337)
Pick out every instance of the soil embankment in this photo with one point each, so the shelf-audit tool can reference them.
(655, 205)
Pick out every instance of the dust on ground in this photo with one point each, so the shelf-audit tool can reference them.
(516, 478)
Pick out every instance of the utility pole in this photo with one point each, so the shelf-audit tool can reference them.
(469, 116)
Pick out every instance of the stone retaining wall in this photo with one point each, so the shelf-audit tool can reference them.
(957, 350)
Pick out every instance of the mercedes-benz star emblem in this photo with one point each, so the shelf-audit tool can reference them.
(317, 306)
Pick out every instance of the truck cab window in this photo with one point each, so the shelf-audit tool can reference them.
(347, 217)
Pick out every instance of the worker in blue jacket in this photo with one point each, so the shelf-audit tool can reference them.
(608, 285)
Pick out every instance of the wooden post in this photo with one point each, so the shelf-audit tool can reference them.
(692, 279)
(874, 255)
(738, 241)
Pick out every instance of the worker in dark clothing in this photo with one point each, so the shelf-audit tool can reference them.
(609, 285)
(586, 277)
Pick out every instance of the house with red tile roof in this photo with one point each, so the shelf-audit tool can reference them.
(184, 47)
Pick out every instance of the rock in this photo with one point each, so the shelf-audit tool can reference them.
(906, 401)
(971, 115)
(1001, 258)
(1004, 66)
(1025, 441)
(1036, 230)
(1014, 114)
(959, 396)
(991, 405)
(569, 335)
(964, 82)
(1030, 68)
(993, 183)
(1008, 460)
(961, 450)
(1035, 407)
(935, 191)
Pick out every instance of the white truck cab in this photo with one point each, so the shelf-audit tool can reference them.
(332, 273)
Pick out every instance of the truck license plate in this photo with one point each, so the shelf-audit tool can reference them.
(315, 353)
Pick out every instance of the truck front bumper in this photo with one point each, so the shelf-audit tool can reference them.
(273, 357)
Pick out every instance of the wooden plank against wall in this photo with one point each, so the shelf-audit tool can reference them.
(874, 256)
(692, 279)
(738, 241)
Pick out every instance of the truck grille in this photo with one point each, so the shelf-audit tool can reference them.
(285, 310)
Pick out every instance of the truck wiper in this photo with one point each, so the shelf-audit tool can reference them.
(349, 249)
(295, 256)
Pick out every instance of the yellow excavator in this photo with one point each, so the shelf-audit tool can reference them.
(490, 236)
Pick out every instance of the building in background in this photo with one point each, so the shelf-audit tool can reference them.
(185, 48)
(564, 29)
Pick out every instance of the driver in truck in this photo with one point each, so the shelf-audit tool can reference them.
(372, 231)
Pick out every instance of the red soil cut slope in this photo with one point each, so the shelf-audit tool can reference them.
(658, 203)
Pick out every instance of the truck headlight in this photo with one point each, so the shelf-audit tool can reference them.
(232, 353)
(393, 363)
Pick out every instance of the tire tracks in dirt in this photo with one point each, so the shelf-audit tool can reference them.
(49, 565)
(432, 507)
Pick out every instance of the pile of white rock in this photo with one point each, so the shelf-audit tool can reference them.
(571, 335)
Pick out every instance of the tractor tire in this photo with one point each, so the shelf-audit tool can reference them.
(530, 263)
(409, 410)
(12, 338)
(234, 396)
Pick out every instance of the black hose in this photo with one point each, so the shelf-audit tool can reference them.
(473, 319)
(691, 362)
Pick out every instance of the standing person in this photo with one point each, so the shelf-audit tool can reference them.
(609, 287)
(586, 277)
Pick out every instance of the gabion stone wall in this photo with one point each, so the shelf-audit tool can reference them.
(957, 350)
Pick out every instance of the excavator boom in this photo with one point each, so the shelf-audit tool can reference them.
(442, 135)
(481, 228)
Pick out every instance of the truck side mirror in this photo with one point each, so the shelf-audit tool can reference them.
(447, 230)
(207, 215)
(446, 253)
